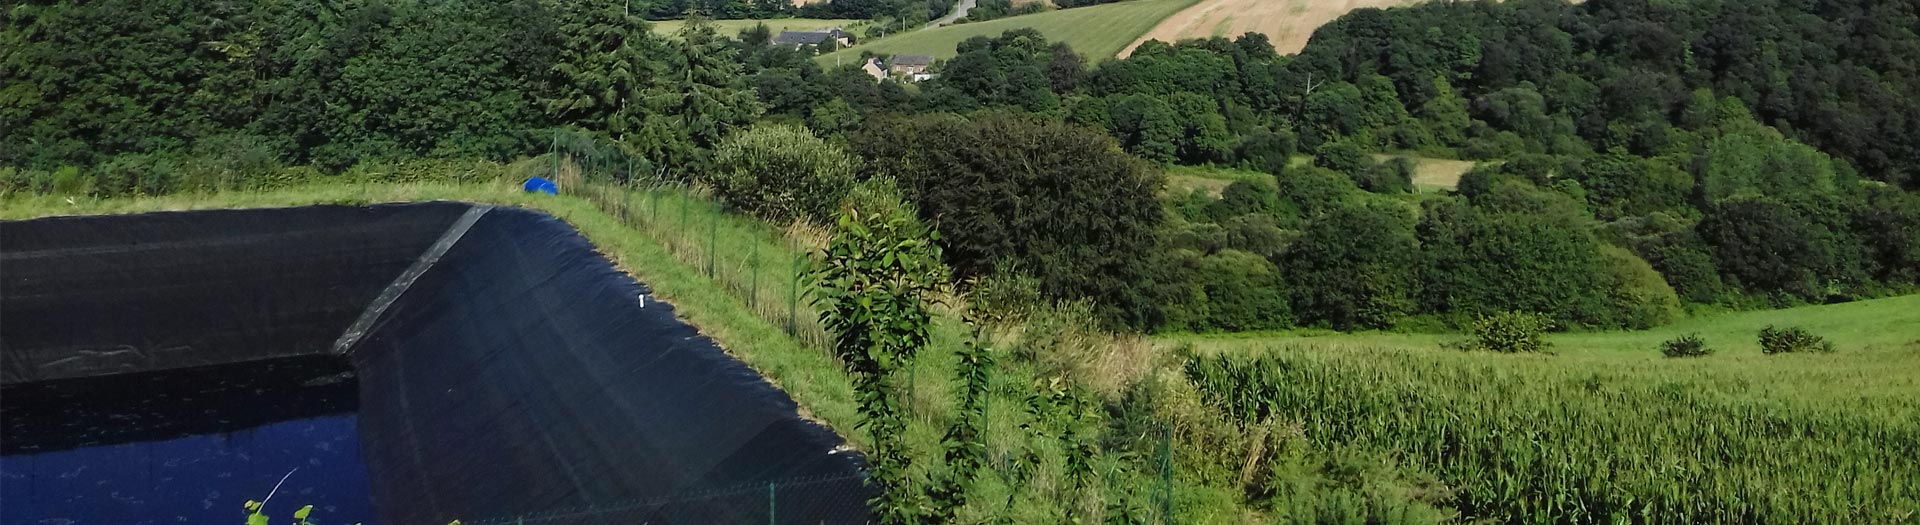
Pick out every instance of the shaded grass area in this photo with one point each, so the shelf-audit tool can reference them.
(1097, 32)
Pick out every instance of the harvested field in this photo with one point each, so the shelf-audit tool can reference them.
(1287, 22)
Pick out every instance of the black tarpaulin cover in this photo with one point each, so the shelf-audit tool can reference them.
(505, 369)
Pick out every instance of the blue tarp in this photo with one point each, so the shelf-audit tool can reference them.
(541, 185)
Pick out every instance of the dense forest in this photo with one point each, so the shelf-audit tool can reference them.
(1640, 158)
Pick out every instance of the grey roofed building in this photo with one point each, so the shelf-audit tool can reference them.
(909, 65)
(812, 38)
(911, 61)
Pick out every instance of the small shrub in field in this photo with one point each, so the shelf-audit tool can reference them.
(1510, 333)
(1792, 339)
(1690, 345)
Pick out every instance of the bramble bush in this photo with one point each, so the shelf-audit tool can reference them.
(1792, 339)
(1510, 333)
(1690, 345)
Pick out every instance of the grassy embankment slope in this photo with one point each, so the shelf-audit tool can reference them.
(1098, 32)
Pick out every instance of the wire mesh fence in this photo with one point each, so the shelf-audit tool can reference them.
(761, 266)
(799, 501)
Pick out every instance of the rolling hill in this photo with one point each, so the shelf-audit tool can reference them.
(1287, 22)
(1098, 31)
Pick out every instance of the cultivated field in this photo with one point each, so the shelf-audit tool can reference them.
(1097, 31)
(1287, 22)
(1608, 430)
(732, 28)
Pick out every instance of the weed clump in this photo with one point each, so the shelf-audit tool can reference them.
(1792, 339)
(1509, 333)
(1690, 345)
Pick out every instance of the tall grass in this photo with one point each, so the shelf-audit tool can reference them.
(1532, 439)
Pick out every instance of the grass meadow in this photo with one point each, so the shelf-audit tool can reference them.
(1097, 32)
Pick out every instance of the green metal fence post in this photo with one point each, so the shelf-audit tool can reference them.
(753, 265)
(1166, 476)
(793, 292)
(713, 250)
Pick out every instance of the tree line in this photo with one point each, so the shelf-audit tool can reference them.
(1637, 157)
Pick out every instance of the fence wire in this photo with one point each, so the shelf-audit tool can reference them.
(797, 501)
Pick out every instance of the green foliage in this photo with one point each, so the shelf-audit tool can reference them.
(68, 180)
(880, 271)
(1393, 176)
(1690, 345)
(1759, 162)
(1344, 157)
(1310, 193)
(1015, 193)
(1354, 267)
(1008, 70)
(1637, 296)
(1146, 126)
(1242, 292)
(1204, 137)
(1242, 197)
(1266, 152)
(782, 173)
(1510, 333)
(1763, 246)
(704, 99)
(1792, 339)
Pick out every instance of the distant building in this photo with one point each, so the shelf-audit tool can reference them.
(799, 39)
(911, 66)
(873, 68)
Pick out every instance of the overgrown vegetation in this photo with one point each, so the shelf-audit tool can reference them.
(1790, 340)
(880, 273)
(1509, 333)
(1690, 345)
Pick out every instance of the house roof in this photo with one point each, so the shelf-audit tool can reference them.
(808, 37)
(911, 60)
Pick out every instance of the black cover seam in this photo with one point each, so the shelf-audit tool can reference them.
(405, 280)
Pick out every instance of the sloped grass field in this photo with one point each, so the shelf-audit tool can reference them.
(1097, 32)
(1607, 430)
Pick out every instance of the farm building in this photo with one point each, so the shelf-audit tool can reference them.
(909, 64)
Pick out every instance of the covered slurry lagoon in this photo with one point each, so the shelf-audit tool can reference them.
(408, 364)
